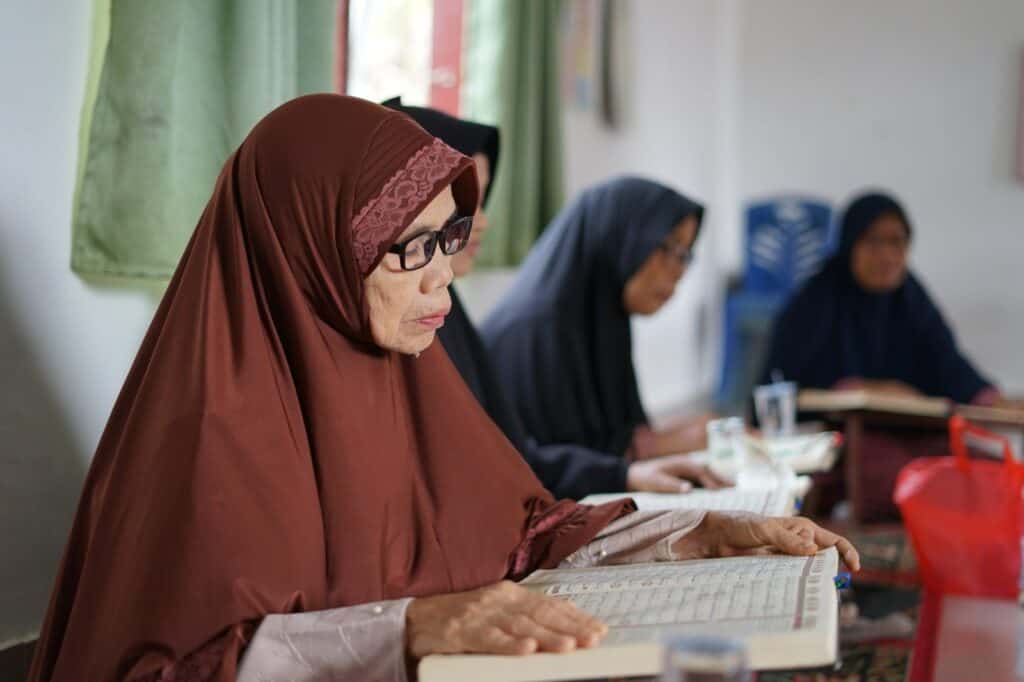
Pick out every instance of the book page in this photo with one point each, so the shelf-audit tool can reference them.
(804, 453)
(736, 597)
(757, 501)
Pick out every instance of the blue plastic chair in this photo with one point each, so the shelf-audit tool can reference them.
(787, 239)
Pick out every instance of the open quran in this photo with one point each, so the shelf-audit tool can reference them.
(764, 501)
(785, 609)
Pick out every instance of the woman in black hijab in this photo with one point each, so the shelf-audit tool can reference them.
(866, 321)
(561, 337)
(567, 469)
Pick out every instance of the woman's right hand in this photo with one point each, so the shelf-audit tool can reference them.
(505, 618)
(671, 474)
(724, 534)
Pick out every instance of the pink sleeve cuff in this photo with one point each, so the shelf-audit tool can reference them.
(637, 538)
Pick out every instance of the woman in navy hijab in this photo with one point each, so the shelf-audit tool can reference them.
(560, 339)
(865, 321)
(567, 469)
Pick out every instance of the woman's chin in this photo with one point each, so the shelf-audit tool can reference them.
(657, 304)
(411, 344)
(424, 342)
(883, 285)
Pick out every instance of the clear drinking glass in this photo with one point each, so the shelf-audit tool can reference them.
(704, 659)
(722, 434)
(776, 408)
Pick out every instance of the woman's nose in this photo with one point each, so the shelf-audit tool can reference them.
(438, 273)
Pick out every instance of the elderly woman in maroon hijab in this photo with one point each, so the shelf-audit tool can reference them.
(295, 483)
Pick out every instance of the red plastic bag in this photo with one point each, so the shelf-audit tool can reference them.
(964, 517)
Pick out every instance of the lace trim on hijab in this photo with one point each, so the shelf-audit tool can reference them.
(402, 195)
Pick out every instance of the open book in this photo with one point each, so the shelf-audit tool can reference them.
(804, 453)
(784, 608)
(815, 400)
(769, 502)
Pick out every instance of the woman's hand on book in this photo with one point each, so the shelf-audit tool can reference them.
(499, 619)
(723, 535)
(671, 474)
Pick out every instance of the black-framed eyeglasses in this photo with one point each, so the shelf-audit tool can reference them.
(415, 252)
(900, 243)
(683, 254)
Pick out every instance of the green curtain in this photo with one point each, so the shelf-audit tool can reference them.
(173, 88)
(512, 80)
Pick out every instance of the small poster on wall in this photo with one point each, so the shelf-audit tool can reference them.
(1020, 122)
(579, 39)
(587, 57)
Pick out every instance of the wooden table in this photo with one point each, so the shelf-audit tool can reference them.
(852, 423)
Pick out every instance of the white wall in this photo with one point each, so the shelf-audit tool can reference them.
(732, 100)
(671, 70)
(64, 346)
(672, 62)
(917, 96)
(667, 67)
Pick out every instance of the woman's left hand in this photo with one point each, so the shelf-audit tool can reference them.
(671, 474)
(684, 436)
(723, 535)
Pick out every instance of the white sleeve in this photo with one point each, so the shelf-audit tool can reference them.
(640, 537)
(364, 643)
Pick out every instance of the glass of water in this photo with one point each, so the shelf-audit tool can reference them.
(722, 434)
(775, 405)
(704, 659)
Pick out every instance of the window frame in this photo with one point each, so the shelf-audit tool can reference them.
(445, 59)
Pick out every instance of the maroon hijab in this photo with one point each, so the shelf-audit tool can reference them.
(264, 456)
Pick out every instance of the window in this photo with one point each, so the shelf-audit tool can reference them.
(407, 48)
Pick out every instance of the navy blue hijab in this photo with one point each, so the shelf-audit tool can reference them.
(833, 329)
(467, 137)
(560, 339)
(565, 469)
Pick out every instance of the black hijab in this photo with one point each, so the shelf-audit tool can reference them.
(466, 137)
(561, 337)
(564, 469)
(833, 329)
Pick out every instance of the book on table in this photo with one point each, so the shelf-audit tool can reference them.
(765, 501)
(807, 453)
(785, 610)
(817, 400)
